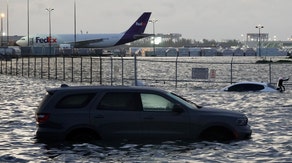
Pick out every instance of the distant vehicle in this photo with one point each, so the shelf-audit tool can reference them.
(135, 32)
(82, 113)
(7, 53)
(251, 86)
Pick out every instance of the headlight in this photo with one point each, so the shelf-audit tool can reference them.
(242, 121)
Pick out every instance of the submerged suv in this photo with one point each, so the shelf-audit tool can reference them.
(121, 112)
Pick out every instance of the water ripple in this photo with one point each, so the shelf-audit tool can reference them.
(269, 115)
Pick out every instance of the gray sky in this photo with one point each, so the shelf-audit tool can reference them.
(194, 19)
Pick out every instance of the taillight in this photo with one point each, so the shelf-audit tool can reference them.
(41, 118)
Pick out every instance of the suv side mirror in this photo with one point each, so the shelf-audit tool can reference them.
(177, 108)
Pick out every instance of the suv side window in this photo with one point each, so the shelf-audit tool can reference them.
(75, 101)
(153, 102)
(120, 101)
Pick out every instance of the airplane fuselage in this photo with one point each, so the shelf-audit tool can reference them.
(135, 32)
(56, 40)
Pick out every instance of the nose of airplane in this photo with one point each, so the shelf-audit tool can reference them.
(19, 43)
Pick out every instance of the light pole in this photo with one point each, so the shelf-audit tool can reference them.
(259, 27)
(2, 16)
(27, 22)
(50, 32)
(74, 23)
(153, 21)
(7, 24)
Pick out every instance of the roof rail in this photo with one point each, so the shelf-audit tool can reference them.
(64, 85)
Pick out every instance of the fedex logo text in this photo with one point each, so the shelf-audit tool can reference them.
(140, 24)
(45, 40)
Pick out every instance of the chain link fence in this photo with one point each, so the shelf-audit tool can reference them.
(177, 72)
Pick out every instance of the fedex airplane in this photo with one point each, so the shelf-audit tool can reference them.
(135, 32)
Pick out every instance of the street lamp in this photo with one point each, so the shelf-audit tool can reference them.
(74, 23)
(259, 27)
(7, 23)
(275, 38)
(153, 21)
(27, 6)
(50, 32)
(1, 30)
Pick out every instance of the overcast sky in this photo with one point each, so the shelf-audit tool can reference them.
(194, 19)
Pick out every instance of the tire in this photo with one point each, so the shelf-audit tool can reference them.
(82, 136)
(217, 134)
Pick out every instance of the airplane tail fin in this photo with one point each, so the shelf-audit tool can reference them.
(140, 24)
(136, 31)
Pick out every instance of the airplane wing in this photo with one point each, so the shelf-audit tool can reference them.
(87, 42)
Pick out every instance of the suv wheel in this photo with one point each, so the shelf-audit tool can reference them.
(217, 134)
(82, 136)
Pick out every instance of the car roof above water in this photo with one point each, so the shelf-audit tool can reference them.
(266, 87)
(65, 87)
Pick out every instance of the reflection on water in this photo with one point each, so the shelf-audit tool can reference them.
(269, 115)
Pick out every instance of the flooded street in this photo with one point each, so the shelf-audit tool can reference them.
(269, 116)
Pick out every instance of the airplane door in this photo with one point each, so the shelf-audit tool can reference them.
(31, 41)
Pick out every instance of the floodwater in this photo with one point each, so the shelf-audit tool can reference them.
(269, 116)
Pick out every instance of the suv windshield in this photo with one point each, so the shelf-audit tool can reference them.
(185, 101)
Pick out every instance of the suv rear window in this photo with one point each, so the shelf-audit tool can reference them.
(75, 101)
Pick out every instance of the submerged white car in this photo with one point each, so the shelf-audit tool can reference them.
(251, 86)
